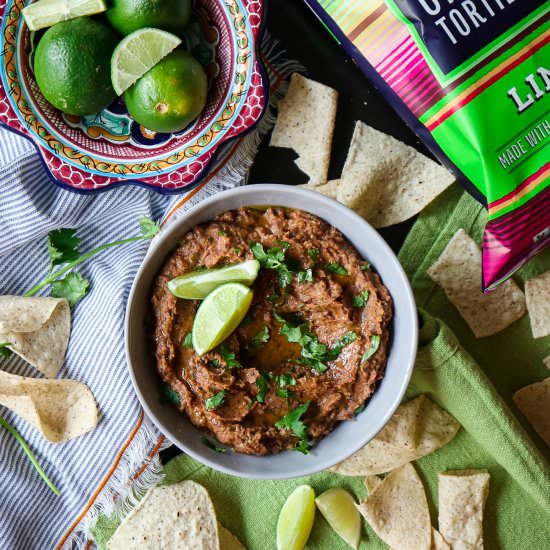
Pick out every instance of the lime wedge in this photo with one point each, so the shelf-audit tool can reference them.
(46, 13)
(198, 284)
(219, 315)
(138, 53)
(338, 508)
(296, 519)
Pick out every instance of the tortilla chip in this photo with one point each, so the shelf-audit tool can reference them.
(398, 511)
(372, 483)
(38, 330)
(537, 295)
(546, 361)
(59, 409)
(416, 429)
(179, 517)
(458, 272)
(305, 123)
(386, 181)
(438, 542)
(228, 541)
(534, 403)
(329, 189)
(462, 496)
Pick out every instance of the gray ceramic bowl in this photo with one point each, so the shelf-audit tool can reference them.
(349, 436)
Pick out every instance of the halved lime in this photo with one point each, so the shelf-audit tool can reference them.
(198, 284)
(338, 508)
(219, 315)
(46, 13)
(296, 519)
(137, 54)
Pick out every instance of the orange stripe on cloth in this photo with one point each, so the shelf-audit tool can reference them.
(155, 450)
(475, 89)
(102, 484)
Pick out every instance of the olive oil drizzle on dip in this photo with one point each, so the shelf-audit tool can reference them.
(311, 349)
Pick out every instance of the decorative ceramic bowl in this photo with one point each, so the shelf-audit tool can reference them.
(349, 436)
(98, 152)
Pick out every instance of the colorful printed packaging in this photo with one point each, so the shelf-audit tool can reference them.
(472, 78)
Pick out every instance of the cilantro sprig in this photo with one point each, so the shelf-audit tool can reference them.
(313, 353)
(292, 422)
(63, 251)
(258, 341)
(19, 438)
(275, 258)
(215, 401)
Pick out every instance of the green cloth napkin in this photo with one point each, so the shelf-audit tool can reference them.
(472, 379)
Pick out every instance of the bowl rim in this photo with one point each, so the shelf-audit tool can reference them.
(407, 307)
(220, 151)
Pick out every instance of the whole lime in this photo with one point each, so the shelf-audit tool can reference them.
(169, 96)
(72, 66)
(127, 16)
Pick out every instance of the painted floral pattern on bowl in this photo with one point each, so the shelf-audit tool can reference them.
(96, 152)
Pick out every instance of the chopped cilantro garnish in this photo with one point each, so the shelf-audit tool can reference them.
(314, 353)
(292, 421)
(261, 384)
(229, 357)
(222, 233)
(361, 299)
(365, 267)
(215, 401)
(285, 393)
(215, 363)
(313, 253)
(374, 345)
(360, 409)
(5, 351)
(188, 340)
(305, 276)
(211, 445)
(273, 297)
(283, 380)
(335, 267)
(274, 258)
(258, 341)
(168, 395)
(237, 250)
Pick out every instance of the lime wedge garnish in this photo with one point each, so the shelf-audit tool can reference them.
(138, 53)
(198, 284)
(338, 508)
(296, 519)
(46, 13)
(219, 315)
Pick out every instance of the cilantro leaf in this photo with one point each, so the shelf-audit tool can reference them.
(229, 357)
(273, 297)
(215, 401)
(346, 339)
(261, 384)
(374, 345)
(360, 409)
(257, 342)
(274, 258)
(222, 233)
(292, 421)
(283, 380)
(313, 253)
(62, 246)
(73, 287)
(210, 445)
(168, 396)
(214, 363)
(188, 340)
(5, 351)
(335, 267)
(148, 227)
(285, 393)
(361, 299)
(365, 267)
(303, 447)
(305, 276)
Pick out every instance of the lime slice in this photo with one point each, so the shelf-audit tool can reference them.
(46, 13)
(137, 54)
(198, 284)
(296, 519)
(338, 508)
(219, 315)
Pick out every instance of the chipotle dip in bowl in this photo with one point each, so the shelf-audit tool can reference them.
(319, 363)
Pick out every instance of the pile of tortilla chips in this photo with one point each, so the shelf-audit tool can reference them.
(179, 517)
(38, 330)
(383, 180)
